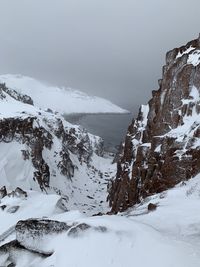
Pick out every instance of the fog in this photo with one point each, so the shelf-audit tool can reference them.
(109, 48)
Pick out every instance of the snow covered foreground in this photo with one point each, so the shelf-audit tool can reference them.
(62, 100)
(166, 237)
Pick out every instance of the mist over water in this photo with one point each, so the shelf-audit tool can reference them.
(112, 128)
(113, 49)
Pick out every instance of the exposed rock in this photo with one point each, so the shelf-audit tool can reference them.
(14, 94)
(3, 192)
(35, 228)
(162, 145)
(62, 204)
(152, 207)
(31, 233)
(13, 209)
(3, 207)
(20, 193)
(37, 134)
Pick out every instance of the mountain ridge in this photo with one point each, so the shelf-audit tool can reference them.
(162, 144)
(62, 100)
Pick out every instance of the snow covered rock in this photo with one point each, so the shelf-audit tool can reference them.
(169, 235)
(20, 193)
(162, 146)
(40, 150)
(33, 233)
(63, 100)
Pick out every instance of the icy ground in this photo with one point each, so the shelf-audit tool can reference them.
(70, 100)
(166, 237)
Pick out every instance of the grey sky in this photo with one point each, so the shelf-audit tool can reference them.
(110, 48)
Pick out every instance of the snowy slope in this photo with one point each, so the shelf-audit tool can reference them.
(63, 100)
(167, 237)
(84, 180)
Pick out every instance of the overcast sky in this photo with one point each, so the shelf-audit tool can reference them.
(110, 48)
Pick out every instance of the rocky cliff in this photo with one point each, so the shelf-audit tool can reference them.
(162, 146)
(41, 151)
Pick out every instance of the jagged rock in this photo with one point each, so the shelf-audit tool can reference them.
(3, 192)
(37, 139)
(20, 193)
(98, 214)
(162, 146)
(45, 152)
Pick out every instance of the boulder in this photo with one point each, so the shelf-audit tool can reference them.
(152, 207)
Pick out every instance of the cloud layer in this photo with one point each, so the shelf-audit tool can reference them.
(111, 48)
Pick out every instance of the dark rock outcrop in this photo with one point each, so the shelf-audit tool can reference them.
(162, 146)
(37, 228)
(31, 233)
(14, 94)
(152, 207)
(3, 192)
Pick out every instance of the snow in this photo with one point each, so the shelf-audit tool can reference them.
(9, 107)
(194, 58)
(86, 191)
(195, 93)
(167, 237)
(187, 51)
(193, 55)
(194, 96)
(145, 112)
(178, 212)
(15, 171)
(62, 100)
(158, 149)
(162, 97)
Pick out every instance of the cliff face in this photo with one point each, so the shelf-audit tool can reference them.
(39, 150)
(162, 146)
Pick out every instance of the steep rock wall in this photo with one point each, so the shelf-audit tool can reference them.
(162, 146)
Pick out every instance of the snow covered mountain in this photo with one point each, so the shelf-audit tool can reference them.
(54, 178)
(41, 151)
(62, 100)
